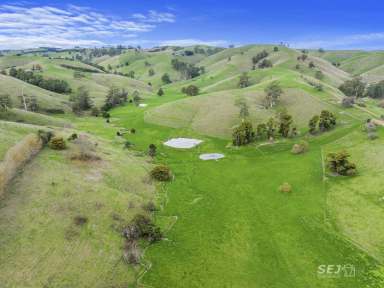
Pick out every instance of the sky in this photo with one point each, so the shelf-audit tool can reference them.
(300, 24)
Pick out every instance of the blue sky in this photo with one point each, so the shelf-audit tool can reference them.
(302, 24)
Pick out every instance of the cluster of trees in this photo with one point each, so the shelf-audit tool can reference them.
(110, 51)
(116, 97)
(187, 70)
(339, 164)
(259, 56)
(55, 85)
(190, 90)
(261, 61)
(281, 125)
(80, 69)
(357, 88)
(326, 121)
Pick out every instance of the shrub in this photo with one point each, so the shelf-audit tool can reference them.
(133, 131)
(45, 136)
(128, 144)
(300, 147)
(72, 137)
(191, 90)
(57, 143)
(152, 150)
(160, 92)
(142, 227)
(95, 111)
(84, 151)
(285, 188)
(161, 173)
(80, 220)
(348, 102)
(150, 207)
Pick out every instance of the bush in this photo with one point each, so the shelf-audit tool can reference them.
(84, 151)
(150, 207)
(348, 102)
(72, 137)
(142, 227)
(80, 220)
(161, 173)
(300, 147)
(285, 188)
(57, 143)
(191, 90)
(45, 136)
(95, 111)
(128, 144)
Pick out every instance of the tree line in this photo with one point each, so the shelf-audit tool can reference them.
(55, 85)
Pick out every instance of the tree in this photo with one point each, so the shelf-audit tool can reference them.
(261, 130)
(338, 163)
(244, 80)
(5, 102)
(353, 88)
(326, 120)
(302, 57)
(285, 121)
(243, 134)
(313, 122)
(244, 111)
(319, 75)
(191, 90)
(273, 91)
(81, 100)
(271, 128)
(160, 92)
(375, 91)
(131, 74)
(151, 72)
(265, 63)
(311, 65)
(136, 97)
(275, 49)
(152, 150)
(166, 79)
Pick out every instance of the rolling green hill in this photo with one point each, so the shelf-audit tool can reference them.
(224, 223)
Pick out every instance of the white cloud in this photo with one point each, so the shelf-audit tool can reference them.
(355, 41)
(155, 17)
(23, 26)
(189, 42)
